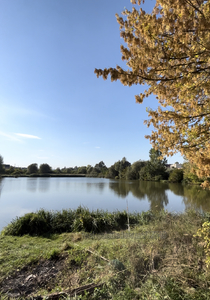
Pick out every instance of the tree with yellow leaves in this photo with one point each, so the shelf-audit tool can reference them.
(169, 51)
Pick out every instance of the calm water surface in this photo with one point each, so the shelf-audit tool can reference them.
(22, 195)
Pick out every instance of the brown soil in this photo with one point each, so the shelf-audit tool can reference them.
(27, 281)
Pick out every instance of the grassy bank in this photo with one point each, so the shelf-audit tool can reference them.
(159, 258)
(45, 222)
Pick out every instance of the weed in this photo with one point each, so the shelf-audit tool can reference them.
(53, 254)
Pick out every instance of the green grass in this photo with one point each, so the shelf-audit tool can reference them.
(15, 252)
(161, 257)
(45, 222)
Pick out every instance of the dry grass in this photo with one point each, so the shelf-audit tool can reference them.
(162, 260)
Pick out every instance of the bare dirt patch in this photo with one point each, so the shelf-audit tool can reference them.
(30, 279)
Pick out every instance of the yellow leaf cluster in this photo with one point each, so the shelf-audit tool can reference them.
(169, 50)
(204, 234)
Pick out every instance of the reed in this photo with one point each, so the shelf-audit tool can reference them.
(45, 222)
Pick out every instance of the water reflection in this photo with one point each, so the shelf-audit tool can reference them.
(120, 188)
(31, 185)
(176, 188)
(197, 198)
(44, 184)
(40, 184)
(20, 195)
(1, 185)
(154, 192)
(96, 186)
(192, 196)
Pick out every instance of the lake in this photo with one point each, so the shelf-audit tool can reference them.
(22, 195)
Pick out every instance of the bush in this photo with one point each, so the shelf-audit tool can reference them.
(45, 168)
(33, 168)
(176, 175)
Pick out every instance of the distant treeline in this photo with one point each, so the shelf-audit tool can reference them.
(155, 169)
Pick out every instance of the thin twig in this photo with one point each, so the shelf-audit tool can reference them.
(94, 253)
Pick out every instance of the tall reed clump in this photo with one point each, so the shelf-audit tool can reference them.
(82, 219)
(31, 223)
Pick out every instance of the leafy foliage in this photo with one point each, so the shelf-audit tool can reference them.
(155, 168)
(169, 51)
(45, 168)
(133, 171)
(119, 169)
(33, 168)
(204, 234)
(1, 165)
(176, 175)
(189, 175)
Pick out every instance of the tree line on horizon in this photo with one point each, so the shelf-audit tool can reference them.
(154, 169)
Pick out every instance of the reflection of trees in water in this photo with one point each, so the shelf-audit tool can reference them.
(95, 185)
(156, 194)
(193, 196)
(1, 185)
(31, 184)
(177, 188)
(120, 188)
(197, 198)
(137, 191)
(153, 191)
(44, 184)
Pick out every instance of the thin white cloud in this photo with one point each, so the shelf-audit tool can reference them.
(97, 147)
(28, 136)
(10, 137)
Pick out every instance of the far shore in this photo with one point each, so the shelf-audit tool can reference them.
(44, 175)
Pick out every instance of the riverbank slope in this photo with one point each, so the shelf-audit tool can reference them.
(159, 259)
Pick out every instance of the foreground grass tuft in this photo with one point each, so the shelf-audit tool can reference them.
(45, 222)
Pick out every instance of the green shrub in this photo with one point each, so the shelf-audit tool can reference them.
(176, 175)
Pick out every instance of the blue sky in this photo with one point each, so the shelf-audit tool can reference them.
(53, 108)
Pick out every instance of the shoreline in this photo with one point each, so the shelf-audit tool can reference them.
(44, 175)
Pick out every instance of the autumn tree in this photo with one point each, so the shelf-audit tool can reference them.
(189, 173)
(169, 51)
